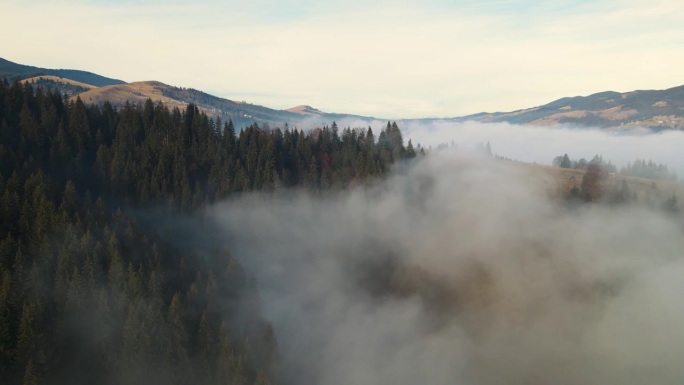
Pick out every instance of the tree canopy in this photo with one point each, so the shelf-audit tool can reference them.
(91, 294)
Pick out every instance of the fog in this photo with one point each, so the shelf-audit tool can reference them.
(542, 144)
(462, 269)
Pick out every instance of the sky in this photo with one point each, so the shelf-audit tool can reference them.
(387, 59)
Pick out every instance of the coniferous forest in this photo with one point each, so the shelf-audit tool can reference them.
(91, 294)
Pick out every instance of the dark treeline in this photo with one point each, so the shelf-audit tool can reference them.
(89, 295)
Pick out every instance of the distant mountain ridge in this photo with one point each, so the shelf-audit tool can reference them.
(13, 71)
(305, 110)
(654, 109)
(94, 88)
(241, 113)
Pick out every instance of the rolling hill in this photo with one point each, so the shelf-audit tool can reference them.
(13, 71)
(241, 113)
(656, 109)
(560, 181)
(94, 88)
(62, 85)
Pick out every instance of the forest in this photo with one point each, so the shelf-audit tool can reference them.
(638, 168)
(96, 283)
(111, 271)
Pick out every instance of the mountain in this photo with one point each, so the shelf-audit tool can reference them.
(13, 70)
(656, 109)
(61, 85)
(241, 113)
(306, 110)
(94, 88)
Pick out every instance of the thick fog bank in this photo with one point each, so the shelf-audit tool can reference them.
(542, 144)
(462, 270)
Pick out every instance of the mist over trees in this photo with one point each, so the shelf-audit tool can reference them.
(564, 161)
(110, 271)
(464, 270)
(638, 168)
(96, 282)
(648, 169)
(596, 187)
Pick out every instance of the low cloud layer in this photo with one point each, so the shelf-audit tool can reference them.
(542, 144)
(462, 270)
(539, 144)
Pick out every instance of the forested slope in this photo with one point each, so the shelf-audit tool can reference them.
(20, 71)
(90, 294)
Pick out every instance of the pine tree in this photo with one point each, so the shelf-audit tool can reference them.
(30, 375)
(27, 339)
(410, 152)
(6, 318)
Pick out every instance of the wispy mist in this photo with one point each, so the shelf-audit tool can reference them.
(463, 270)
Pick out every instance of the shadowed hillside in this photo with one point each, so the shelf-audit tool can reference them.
(13, 70)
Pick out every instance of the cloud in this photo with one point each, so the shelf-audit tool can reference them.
(461, 269)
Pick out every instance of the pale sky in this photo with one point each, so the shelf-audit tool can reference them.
(388, 59)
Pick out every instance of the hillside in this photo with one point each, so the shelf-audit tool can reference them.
(560, 181)
(241, 113)
(136, 93)
(61, 85)
(106, 261)
(657, 109)
(94, 88)
(114, 258)
(13, 70)
(57, 79)
(306, 110)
